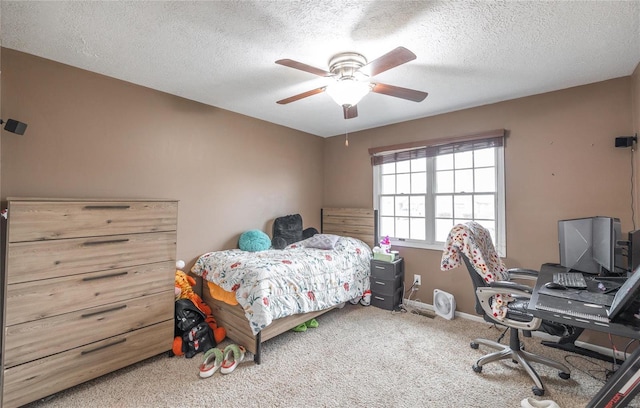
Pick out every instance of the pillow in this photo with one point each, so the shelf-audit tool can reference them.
(288, 227)
(321, 241)
(309, 232)
(253, 241)
(278, 243)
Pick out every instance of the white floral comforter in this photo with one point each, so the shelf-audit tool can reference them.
(276, 283)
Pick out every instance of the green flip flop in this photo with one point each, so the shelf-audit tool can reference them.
(300, 328)
(313, 323)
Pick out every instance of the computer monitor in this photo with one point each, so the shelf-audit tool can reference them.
(589, 245)
(575, 243)
(626, 297)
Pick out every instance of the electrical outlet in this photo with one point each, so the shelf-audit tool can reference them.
(417, 280)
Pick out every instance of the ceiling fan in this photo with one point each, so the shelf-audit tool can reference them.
(352, 72)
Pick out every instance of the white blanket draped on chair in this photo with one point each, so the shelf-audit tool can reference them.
(474, 241)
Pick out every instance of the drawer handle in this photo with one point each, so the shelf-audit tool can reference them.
(111, 275)
(111, 241)
(113, 309)
(379, 267)
(103, 347)
(107, 207)
(379, 298)
(380, 283)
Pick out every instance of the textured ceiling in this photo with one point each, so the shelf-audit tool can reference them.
(222, 53)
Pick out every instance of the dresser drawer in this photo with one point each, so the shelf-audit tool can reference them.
(387, 270)
(40, 338)
(385, 286)
(39, 378)
(29, 261)
(66, 294)
(43, 220)
(388, 302)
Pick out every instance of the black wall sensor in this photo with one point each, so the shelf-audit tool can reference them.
(626, 141)
(14, 126)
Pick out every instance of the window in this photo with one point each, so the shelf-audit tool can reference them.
(420, 194)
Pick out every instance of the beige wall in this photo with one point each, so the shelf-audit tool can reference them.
(93, 136)
(560, 163)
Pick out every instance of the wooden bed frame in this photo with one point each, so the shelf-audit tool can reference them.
(358, 223)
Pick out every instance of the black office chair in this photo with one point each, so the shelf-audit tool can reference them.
(517, 317)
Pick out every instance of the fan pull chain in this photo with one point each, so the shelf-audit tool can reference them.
(346, 135)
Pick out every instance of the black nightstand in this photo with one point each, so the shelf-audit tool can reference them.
(387, 280)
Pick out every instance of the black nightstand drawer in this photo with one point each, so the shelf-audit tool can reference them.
(388, 302)
(387, 270)
(386, 286)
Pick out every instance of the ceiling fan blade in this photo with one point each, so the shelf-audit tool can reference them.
(350, 112)
(303, 67)
(398, 92)
(301, 96)
(389, 60)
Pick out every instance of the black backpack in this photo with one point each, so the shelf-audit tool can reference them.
(192, 327)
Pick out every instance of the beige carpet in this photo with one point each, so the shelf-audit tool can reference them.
(358, 357)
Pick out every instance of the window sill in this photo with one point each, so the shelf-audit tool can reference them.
(422, 245)
(419, 245)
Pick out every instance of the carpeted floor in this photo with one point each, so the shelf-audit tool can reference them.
(358, 357)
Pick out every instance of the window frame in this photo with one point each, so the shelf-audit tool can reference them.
(500, 239)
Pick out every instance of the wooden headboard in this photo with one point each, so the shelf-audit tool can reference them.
(361, 223)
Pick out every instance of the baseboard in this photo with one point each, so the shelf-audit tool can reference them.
(543, 336)
(429, 307)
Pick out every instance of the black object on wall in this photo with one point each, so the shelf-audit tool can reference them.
(626, 141)
(14, 126)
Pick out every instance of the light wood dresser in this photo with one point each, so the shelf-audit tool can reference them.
(87, 289)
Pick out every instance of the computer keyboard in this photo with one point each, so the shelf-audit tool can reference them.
(570, 279)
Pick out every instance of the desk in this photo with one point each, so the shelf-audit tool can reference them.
(624, 384)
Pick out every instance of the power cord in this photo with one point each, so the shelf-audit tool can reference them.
(404, 307)
(502, 335)
(614, 352)
(600, 370)
(626, 348)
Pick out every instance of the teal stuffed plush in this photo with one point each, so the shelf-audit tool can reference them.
(253, 241)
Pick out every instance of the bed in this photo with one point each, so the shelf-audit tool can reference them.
(277, 290)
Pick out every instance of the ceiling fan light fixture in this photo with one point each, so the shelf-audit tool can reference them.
(351, 73)
(348, 91)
